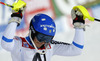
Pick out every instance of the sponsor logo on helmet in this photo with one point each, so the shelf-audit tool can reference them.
(45, 27)
(54, 30)
(49, 31)
(43, 19)
(49, 26)
(32, 29)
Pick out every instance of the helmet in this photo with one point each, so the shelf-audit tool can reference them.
(43, 27)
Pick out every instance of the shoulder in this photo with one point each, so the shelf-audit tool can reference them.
(20, 39)
(17, 38)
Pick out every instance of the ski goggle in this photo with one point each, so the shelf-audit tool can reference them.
(43, 38)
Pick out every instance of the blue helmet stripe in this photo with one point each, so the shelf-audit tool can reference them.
(6, 39)
(77, 45)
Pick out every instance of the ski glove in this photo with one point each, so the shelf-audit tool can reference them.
(17, 16)
(77, 17)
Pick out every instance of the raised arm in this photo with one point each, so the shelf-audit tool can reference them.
(65, 49)
(7, 41)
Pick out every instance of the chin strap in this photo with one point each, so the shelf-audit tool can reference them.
(35, 45)
(37, 55)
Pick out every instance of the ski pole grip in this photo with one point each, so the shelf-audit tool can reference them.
(18, 5)
(84, 11)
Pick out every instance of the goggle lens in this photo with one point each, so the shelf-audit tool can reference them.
(43, 38)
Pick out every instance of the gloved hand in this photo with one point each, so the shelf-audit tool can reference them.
(17, 16)
(77, 17)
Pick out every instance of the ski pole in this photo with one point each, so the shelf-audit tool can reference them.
(16, 5)
(97, 19)
(6, 4)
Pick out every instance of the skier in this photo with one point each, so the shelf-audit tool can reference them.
(39, 44)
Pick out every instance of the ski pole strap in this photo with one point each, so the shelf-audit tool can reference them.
(37, 57)
(44, 57)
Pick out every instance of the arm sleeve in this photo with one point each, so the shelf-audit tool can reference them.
(7, 41)
(65, 49)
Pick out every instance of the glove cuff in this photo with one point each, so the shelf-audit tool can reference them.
(17, 15)
(15, 19)
(79, 25)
